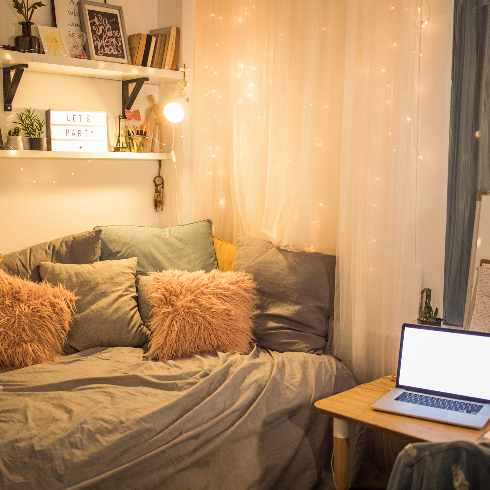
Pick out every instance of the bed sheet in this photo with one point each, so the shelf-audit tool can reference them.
(108, 419)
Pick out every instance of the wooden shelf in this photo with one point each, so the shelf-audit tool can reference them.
(64, 65)
(84, 155)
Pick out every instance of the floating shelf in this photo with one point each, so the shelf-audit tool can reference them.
(64, 65)
(84, 155)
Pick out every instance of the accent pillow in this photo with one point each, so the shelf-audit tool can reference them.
(185, 247)
(107, 311)
(293, 295)
(199, 313)
(225, 254)
(83, 248)
(145, 301)
(34, 320)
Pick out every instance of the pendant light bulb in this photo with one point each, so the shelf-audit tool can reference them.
(173, 112)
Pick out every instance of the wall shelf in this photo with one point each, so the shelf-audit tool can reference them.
(84, 155)
(64, 65)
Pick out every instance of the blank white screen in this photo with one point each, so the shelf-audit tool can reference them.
(450, 362)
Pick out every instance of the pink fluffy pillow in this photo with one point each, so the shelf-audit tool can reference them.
(34, 320)
(199, 313)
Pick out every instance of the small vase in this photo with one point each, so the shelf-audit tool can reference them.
(37, 144)
(14, 143)
(27, 42)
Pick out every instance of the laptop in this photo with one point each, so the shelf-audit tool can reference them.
(443, 375)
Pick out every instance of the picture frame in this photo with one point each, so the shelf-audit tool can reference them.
(52, 41)
(104, 27)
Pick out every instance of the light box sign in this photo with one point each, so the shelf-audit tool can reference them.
(76, 131)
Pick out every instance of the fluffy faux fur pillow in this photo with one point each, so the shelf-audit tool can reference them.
(199, 313)
(34, 320)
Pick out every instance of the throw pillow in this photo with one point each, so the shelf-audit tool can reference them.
(107, 311)
(83, 248)
(186, 247)
(145, 301)
(34, 320)
(293, 295)
(199, 313)
(225, 254)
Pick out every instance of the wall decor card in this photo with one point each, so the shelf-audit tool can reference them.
(106, 34)
(52, 41)
(68, 22)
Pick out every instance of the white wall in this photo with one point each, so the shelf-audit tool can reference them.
(434, 108)
(32, 208)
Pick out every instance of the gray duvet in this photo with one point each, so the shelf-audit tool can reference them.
(107, 419)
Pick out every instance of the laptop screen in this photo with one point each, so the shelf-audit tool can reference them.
(445, 361)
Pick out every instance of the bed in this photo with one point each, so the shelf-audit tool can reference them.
(129, 413)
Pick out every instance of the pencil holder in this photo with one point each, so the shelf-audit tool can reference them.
(137, 144)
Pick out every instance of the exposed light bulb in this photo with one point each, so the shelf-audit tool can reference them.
(173, 112)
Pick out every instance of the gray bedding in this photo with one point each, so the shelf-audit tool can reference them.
(106, 419)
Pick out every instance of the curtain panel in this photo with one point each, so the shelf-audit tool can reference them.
(305, 130)
(469, 155)
(267, 119)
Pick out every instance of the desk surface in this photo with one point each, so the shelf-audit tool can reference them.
(355, 406)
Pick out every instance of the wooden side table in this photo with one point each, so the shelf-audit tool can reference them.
(354, 406)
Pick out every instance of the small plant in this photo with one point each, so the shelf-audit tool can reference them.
(30, 123)
(15, 132)
(429, 314)
(26, 10)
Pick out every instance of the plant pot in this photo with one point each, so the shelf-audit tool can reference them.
(14, 143)
(37, 144)
(27, 42)
(437, 323)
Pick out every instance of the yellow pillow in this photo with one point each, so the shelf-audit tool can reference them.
(225, 254)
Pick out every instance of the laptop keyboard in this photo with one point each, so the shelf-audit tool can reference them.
(436, 402)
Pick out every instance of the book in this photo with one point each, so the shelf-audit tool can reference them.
(141, 50)
(144, 61)
(152, 51)
(133, 43)
(158, 49)
(164, 56)
(176, 49)
(171, 49)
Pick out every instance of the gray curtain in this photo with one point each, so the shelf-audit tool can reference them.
(469, 150)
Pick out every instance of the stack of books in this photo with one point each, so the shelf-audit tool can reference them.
(157, 49)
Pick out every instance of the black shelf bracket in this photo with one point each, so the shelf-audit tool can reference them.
(127, 98)
(10, 84)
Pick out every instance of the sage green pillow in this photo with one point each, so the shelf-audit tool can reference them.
(106, 306)
(185, 247)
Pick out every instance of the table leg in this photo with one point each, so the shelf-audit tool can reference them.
(341, 453)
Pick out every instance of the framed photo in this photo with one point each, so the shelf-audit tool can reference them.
(66, 18)
(52, 41)
(106, 34)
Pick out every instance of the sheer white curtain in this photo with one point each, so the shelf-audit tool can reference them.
(267, 119)
(305, 132)
(377, 272)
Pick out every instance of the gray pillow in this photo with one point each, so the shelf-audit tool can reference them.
(107, 310)
(145, 301)
(293, 306)
(186, 247)
(83, 248)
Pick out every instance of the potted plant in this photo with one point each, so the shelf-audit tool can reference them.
(430, 316)
(27, 42)
(33, 129)
(14, 139)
